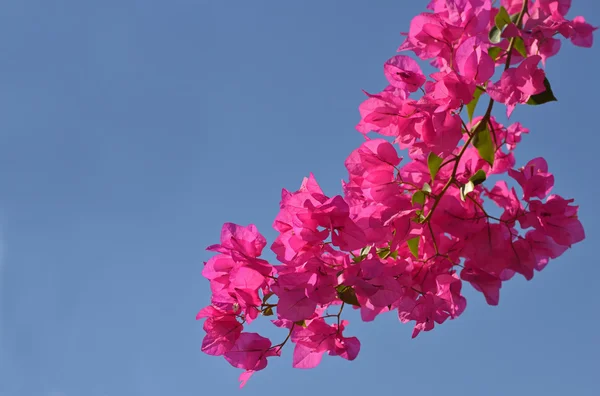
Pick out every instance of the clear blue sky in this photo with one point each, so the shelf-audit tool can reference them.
(131, 130)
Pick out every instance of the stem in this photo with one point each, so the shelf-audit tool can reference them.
(279, 346)
(339, 314)
(433, 238)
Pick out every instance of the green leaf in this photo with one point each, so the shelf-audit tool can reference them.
(301, 323)
(495, 35)
(426, 188)
(433, 162)
(418, 197)
(514, 18)
(467, 188)
(520, 47)
(502, 18)
(478, 178)
(383, 252)
(473, 103)
(268, 311)
(413, 245)
(484, 144)
(363, 254)
(365, 251)
(544, 97)
(347, 295)
(493, 52)
(266, 297)
(419, 216)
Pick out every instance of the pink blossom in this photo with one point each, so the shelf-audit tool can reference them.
(375, 281)
(245, 376)
(518, 84)
(484, 282)
(557, 219)
(442, 133)
(425, 311)
(507, 200)
(513, 135)
(429, 36)
(250, 352)
(549, 7)
(404, 73)
(512, 6)
(545, 47)
(390, 115)
(319, 337)
(449, 289)
(472, 62)
(582, 34)
(534, 179)
(449, 90)
(222, 330)
(240, 242)
(543, 247)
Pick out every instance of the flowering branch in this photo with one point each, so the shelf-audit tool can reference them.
(406, 238)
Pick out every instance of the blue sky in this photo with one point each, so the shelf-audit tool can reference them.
(131, 130)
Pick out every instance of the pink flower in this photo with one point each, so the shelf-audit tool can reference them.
(582, 33)
(372, 168)
(237, 275)
(429, 36)
(472, 62)
(545, 47)
(442, 133)
(375, 282)
(551, 6)
(250, 352)
(390, 115)
(484, 282)
(449, 289)
(404, 73)
(489, 248)
(513, 135)
(245, 376)
(555, 218)
(512, 6)
(449, 91)
(240, 242)
(534, 179)
(543, 247)
(299, 232)
(456, 217)
(502, 162)
(222, 330)
(217, 270)
(507, 200)
(425, 311)
(518, 84)
(319, 337)
(294, 305)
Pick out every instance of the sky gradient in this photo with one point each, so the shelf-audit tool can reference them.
(131, 130)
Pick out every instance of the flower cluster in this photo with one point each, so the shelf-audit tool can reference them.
(405, 237)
